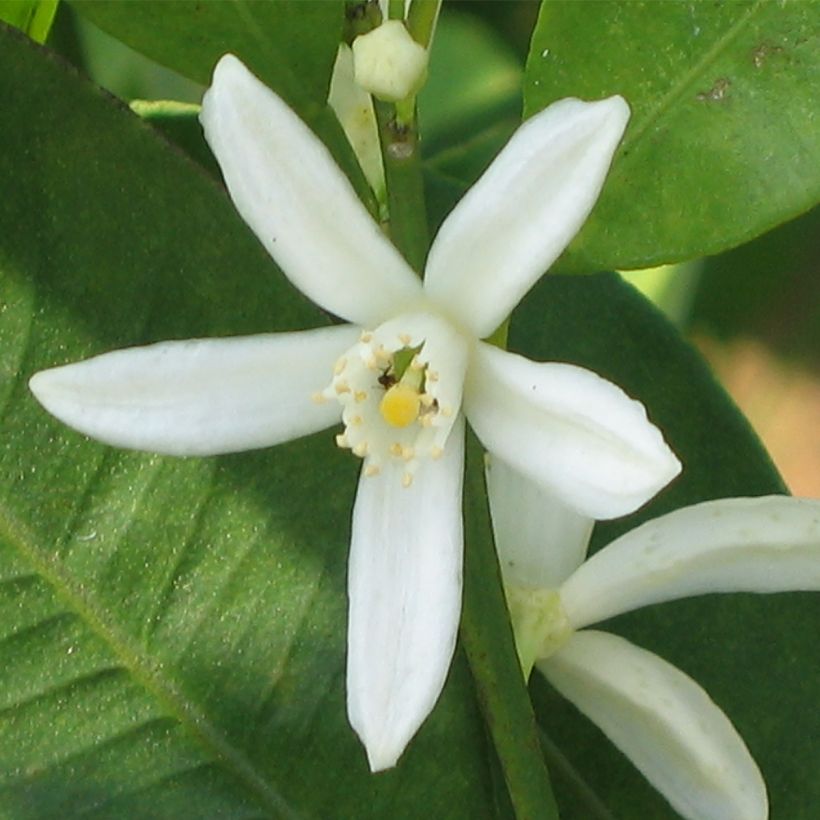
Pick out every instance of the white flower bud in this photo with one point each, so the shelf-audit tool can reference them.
(388, 62)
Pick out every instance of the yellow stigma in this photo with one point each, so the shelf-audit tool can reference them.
(400, 405)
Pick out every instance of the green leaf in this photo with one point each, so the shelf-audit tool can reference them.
(179, 123)
(289, 45)
(173, 630)
(34, 17)
(722, 144)
(755, 655)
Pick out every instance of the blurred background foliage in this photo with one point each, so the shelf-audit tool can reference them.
(754, 311)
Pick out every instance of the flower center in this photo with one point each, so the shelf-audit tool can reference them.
(400, 391)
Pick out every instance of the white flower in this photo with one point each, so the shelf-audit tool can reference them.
(405, 367)
(654, 713)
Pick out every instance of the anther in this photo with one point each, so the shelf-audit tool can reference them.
(406, 480)
(436, 452)
(431, 376)
(371, 470)
(341, 387)
(395, 449)
(318, 398)
(356, 421)
(360, 449)
(365, 337)
(405, 339)
(360, 395)
(407, 453)
(339, 366)
(341, 441)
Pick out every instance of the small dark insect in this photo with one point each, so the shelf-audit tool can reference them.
(387, 380)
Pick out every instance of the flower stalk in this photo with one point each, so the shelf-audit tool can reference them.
(488, 640)
(405, 190)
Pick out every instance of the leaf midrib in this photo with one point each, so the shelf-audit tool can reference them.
(636, 135)
(140, 666)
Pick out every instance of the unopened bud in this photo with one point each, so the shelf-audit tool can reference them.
(389, 63)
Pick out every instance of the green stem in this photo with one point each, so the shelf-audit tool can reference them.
(421, 20)
(405, 188)
(488, 640)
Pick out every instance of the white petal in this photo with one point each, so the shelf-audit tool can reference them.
(664, 723)
(522, 213)
(579, 436)
(202, 396)
(769, 544)
(287, 187)
(405, 599)
(540, 541)
(353, 107)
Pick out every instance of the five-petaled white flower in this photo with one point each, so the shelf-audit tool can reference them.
(399, 375)
(654, 713)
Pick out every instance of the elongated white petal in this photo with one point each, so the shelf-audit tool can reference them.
(522, 213)
(292, 194)
(405, 598)
(769, 544)
(576, 434)
(540, 541)
(664, 723)
(202, 396)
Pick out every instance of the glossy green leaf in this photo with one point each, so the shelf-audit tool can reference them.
(173, 640)
(723, 143)
(34, 17)
(755, 655)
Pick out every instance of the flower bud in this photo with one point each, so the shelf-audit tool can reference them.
(389, 63)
